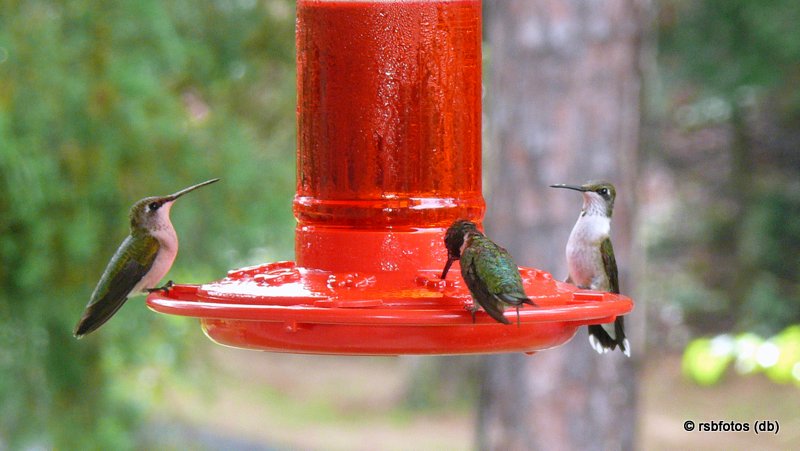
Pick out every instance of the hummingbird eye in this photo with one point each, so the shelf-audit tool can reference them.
(154, 206)
(603, 191)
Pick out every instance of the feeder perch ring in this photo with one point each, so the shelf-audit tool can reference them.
(280, 307)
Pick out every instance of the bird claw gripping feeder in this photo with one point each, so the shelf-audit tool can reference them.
(389, 154)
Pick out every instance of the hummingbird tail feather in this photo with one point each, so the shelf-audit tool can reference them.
(596, 344)
(498, 316)
(604, 339)
(529, 302)
(495, 310)
(516, 299)
(95, 316)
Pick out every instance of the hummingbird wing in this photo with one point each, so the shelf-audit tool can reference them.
(502, 276)
(478, 287)
(610, 265)
(126, 269)
(605, 337)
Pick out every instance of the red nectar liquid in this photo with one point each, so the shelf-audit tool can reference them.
(389, 113)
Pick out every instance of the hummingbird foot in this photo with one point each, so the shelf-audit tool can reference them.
(474, 308)
(165, 288)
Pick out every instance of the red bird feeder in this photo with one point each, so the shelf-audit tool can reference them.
(389, 155)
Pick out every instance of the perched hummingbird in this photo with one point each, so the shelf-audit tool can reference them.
(143, 258)
(590, 258)
(490, 274)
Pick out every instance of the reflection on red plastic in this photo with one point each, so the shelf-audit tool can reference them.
(389, 121)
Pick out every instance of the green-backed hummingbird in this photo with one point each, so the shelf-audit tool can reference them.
(141, 261)
(590, 258)
(491, 275)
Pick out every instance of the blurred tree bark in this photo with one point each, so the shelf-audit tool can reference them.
(563, 107)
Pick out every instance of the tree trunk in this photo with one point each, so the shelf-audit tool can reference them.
(563, 107)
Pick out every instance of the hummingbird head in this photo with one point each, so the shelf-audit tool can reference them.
(457, 235)
(152, 213)
(455, 239)
(598, 197)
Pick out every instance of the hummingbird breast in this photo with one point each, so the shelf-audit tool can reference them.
(584, 259)
(167, 250)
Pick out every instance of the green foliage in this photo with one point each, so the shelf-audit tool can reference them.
(756, 287)
(730, 70)
(770, 237)
(725, 45)
(705, 361)
(102, 104)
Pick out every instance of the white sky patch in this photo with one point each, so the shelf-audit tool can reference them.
(767, 354)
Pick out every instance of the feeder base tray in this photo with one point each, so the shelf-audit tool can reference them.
(281, 307)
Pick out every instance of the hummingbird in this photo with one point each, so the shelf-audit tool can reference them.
(143, 258)
(491, 275)
(590, 258)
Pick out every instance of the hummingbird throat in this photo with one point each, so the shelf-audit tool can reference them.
(594, 205)
(465, 243)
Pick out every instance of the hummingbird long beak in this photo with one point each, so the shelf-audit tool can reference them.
(572, 187)
(447, 267)
(180, 193)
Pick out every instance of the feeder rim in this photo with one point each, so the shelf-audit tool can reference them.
(587, 312)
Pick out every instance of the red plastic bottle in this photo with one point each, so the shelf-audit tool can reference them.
(389, 130)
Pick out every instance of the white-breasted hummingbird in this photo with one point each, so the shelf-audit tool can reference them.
(590, 258)
(491, 275)
(141, 261)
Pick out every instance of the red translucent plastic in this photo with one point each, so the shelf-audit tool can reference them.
(389, 113)
(389, 154)
(389, 131)
(314, 311)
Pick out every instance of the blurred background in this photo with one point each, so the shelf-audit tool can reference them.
(104, 103)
